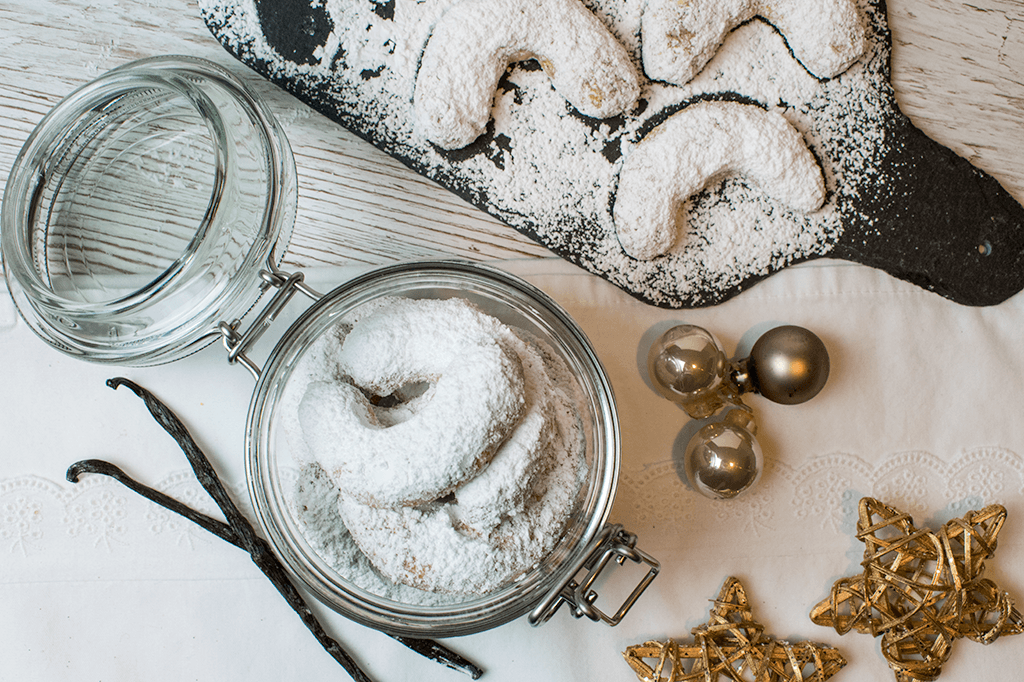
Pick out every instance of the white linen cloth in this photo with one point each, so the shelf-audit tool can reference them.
(922, 410)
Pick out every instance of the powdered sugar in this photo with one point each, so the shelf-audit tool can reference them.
(453, 349)
(679, 39)
(698, 146)
(498, 521)
(553, 173)
(473, 43)
(316, 501)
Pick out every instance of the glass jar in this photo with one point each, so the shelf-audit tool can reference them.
(272, 469)
(142, 208)
(145, 216)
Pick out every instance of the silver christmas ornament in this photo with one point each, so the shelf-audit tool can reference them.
(687, 366)
(787, 365)
(724, 459)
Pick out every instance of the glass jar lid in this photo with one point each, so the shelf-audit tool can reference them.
(140, 211)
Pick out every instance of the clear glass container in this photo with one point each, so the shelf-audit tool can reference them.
(145, 216)
(271, 468)
(142, 208)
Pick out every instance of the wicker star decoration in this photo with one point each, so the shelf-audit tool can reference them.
(921, 590)
(733, 646)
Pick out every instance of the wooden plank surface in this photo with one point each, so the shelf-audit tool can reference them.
(958, 70)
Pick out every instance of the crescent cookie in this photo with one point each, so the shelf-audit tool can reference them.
(453, 441)
(697, 147)
(427, 548)
(474, 41)
(679, 38)
(420, 452)
(503, 488)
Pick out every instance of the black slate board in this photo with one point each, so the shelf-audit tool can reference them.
(896, 200)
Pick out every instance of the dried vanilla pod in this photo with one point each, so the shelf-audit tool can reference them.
(239, 532)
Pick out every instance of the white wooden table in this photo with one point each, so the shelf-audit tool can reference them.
(958, 70)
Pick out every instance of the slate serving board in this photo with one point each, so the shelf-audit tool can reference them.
(896, 200)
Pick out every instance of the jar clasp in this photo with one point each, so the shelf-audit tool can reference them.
(236, 343)
(613, 542)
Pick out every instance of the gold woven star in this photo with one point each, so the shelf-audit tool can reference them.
(733, 646)
(922, 590)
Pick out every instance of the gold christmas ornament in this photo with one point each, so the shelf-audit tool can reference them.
(922, 590)
(733, 646)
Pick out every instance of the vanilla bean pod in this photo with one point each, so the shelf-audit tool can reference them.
(425, 647)
(242, 530)
(239, 532)
(99, 466)
(436, 652)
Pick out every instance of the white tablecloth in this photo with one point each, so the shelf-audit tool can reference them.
(922, 410)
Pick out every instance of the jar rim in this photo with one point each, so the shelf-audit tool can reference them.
(59, 318)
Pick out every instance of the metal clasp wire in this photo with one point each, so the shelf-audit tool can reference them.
(237, 344)
(612, 543)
